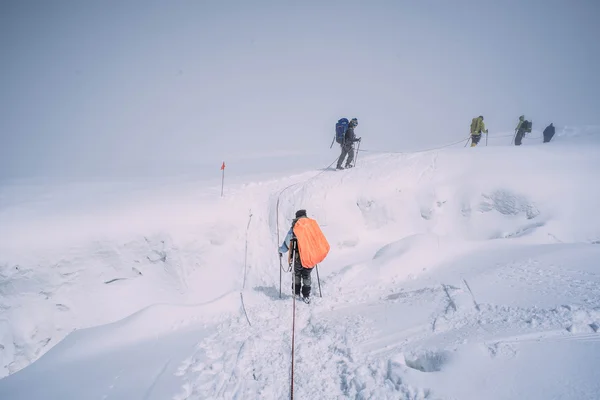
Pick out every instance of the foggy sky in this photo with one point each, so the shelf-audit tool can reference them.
(93, 86)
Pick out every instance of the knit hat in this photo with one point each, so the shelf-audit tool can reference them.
(300, 213)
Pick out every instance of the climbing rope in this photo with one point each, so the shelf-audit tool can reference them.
(293, 341)
(437, 148)
(246, 249)
(290, 186)
(289, 269)
(281, 269)
(246, 267)
(293, 261)
(417, 151)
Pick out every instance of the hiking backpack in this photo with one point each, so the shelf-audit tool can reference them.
(340, 130)
(312, 244)
(474, 124)
(526, 126)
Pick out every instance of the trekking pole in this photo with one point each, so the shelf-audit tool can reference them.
(293, 274)
(280, 269)
(357, 150)
(318, 280)
(486, 137)
(292, 262)
(467, 142)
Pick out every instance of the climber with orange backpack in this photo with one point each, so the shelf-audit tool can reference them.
(308, 247)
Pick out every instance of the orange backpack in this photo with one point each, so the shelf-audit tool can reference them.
(312, 245)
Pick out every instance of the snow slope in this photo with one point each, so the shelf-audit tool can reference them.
(454, 274)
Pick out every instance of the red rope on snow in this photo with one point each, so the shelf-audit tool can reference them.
(293, 332)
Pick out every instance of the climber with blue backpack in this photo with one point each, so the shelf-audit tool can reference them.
(345, 136)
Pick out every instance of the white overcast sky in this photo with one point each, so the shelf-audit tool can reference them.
(93, 85)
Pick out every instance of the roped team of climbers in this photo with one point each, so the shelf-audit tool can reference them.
(346, 137)
(523, 127)
(305, 242)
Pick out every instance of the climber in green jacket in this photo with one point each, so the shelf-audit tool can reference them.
(477, 127)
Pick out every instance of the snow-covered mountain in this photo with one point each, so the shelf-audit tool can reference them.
(454, 273)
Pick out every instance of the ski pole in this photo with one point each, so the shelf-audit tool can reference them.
(467, 142)
(486, 137)
(280, 269)
(318, 280)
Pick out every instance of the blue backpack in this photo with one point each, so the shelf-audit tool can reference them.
(340, 130)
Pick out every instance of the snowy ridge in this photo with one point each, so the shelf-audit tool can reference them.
(456, 273)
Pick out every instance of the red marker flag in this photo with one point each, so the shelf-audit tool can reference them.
(223, 177)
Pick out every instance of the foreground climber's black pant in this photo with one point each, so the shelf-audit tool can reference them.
(301, 274)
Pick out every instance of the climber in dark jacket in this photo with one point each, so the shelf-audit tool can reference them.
(523, 127)
(548, 133)
(348, 145)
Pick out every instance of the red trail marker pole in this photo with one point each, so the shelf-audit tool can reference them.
(222, 177)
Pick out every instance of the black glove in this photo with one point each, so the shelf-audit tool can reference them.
(280, 255)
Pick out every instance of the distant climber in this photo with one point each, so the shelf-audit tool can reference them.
(522, 128)
(477, 127)
(308, 248)
(347, 143)
(548, 133)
